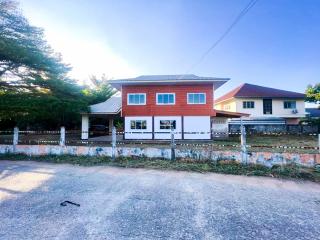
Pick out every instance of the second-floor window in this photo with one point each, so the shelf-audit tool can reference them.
(136, 98)
(226, 107)
(289, 104)
(165, 98)
(196, 98)
(248, 104)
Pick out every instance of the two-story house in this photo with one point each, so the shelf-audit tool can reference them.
(153, 105)
(264, 104)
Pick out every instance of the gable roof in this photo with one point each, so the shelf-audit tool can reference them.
(168, 79)
(247, 90)
(172, 77)
(110, 106)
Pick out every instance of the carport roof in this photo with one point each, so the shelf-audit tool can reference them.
(110, 106)
(220, 113)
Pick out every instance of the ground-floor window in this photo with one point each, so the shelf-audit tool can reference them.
(138, 124)
(167, 124)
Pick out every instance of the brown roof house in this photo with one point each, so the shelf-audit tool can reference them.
(265, 105)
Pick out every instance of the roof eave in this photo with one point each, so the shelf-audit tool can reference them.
(118, 83)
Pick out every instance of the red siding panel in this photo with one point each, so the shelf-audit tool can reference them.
(181, 107)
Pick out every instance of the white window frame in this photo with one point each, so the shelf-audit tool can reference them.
(145, 99)
(171, 124)
(226, 107)
(291, 101)
(138, 120)
(174, 99)
(245, 104)
(205, 97)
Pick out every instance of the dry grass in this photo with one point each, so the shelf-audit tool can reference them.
(226, 167)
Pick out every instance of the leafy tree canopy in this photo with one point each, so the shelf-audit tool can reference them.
(24, 54)
(313, 93)
(98, 90)
(34, 88)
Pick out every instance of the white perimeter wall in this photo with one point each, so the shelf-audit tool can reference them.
(278, 109)
(197, 124)
(138, 133)
(166, 134)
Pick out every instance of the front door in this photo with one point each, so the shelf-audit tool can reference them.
(267, 106)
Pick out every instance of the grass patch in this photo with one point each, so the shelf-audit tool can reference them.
(226, 167)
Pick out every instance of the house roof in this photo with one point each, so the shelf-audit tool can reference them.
(168, 79)
(247, 90)
(110, 106)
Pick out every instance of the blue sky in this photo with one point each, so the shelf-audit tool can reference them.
(276, 44)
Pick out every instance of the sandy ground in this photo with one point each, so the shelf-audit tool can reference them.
(147, 204)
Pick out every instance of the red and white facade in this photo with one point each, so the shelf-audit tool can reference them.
(153, 105)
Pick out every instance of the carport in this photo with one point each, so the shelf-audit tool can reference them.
(107, 111)
(219, 123)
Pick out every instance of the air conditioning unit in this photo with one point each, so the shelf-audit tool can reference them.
(294, 111)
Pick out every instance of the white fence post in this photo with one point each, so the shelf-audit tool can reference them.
(15, 136)
(244, 145)
(319, 142)
(62, 136)
(114, 141)
(173, 154)
(85, 127)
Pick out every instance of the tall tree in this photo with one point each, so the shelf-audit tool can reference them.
(24, 54)
(98, 90)
(313, 93)
(34, 89)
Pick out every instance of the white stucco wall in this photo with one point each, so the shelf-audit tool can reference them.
(280, 111)
(236, 105)
(263, 158)
(220, 125)
(166, 132)
(229, 105)
(138, 133)
(197, 124)
(277, 108)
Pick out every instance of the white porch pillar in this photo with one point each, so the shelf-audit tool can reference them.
(110, 125)
(85, 127)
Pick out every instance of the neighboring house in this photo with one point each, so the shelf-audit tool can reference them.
(265, 105)
(153, 105)
(313, 113)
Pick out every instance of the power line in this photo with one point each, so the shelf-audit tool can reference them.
(225, 33)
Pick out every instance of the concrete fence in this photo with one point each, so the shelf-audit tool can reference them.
(263, 158)
(276, 128)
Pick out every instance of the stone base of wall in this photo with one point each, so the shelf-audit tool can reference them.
(261, 128)
(264, 158)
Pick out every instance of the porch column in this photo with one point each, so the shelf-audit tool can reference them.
(110, 125)
(85, 127)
